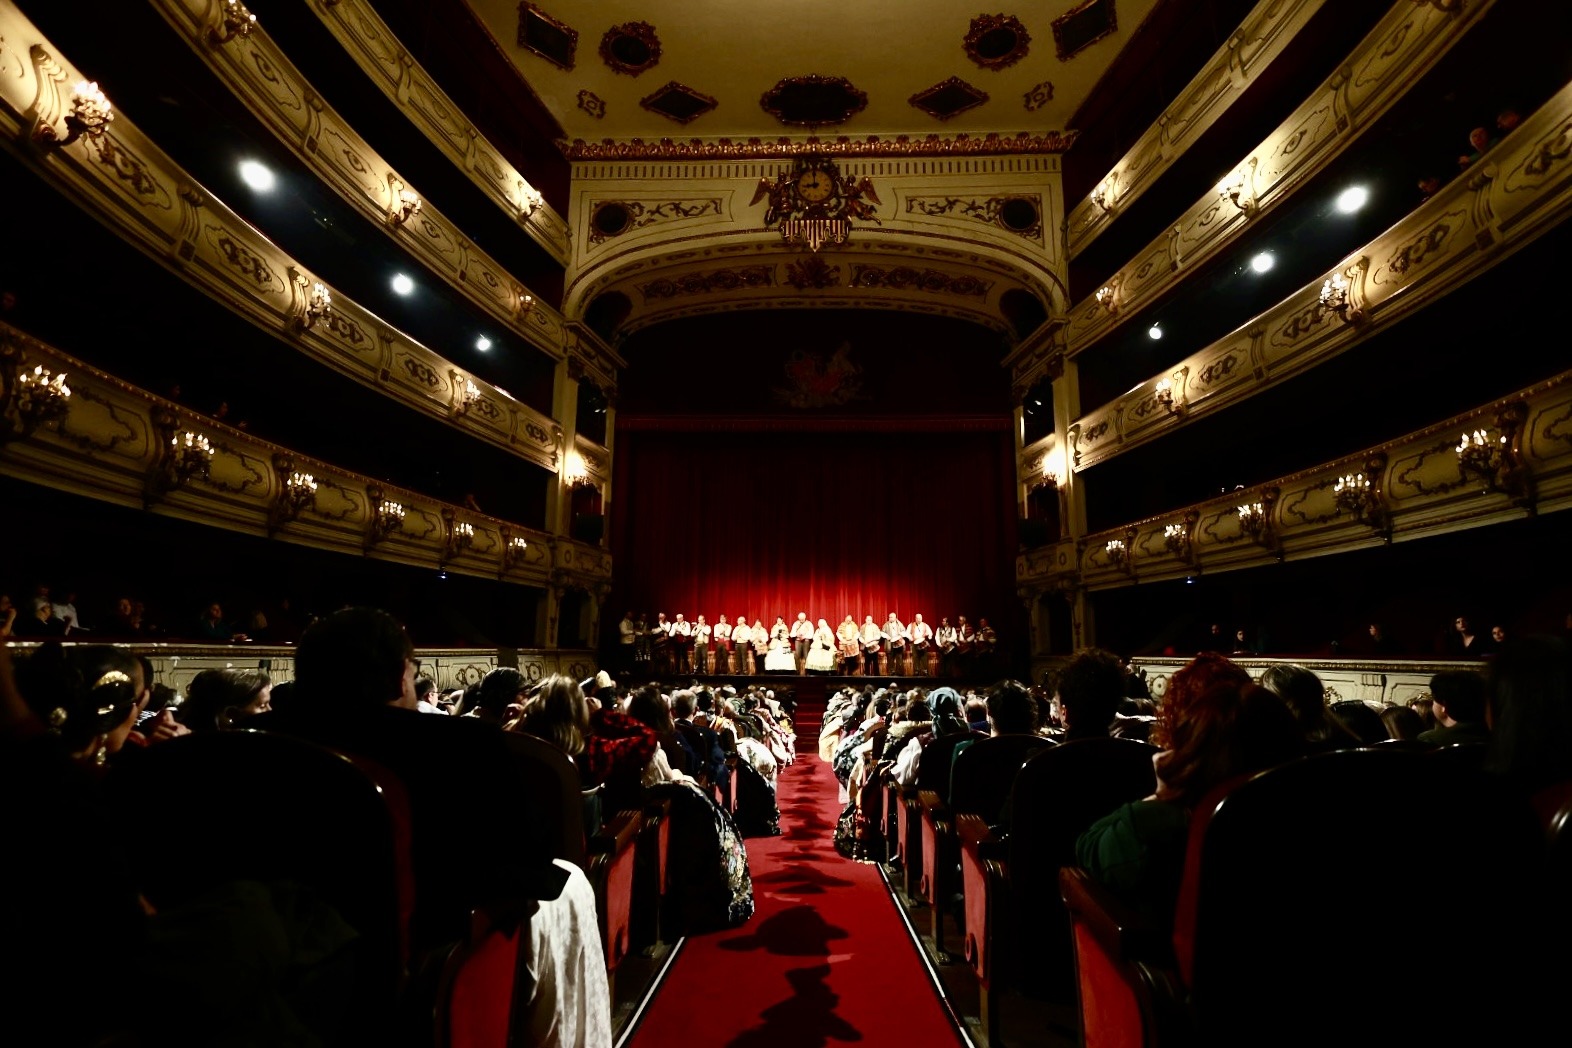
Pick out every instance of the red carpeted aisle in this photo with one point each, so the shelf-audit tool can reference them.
(825, 958)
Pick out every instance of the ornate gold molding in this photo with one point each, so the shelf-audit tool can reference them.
(1402, 47)
(1248, 51)
(1419, 482)
(1023, 143)
(372, 46)
(124, 180)
(112, 443)
(258, 73)
(1518, 190)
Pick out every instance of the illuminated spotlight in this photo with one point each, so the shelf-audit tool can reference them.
(1263, 262)
(1352, 199)
(403, 284)
(1154, 332)
(483, 343)
(257, 176)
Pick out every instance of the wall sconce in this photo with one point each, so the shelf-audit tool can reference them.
(90, 115)
(469, 398)
(513, 549)
(526, 304)
(1493, 455)
(190, 455)
(41, 396)
(1252, 519)
(1179, 540)
(319, 306)
(300, 492)
(1108, 297)
(1050, 477)
(1164, 392)
(1480, 453)
(1350, 491)
(575, 471)
(238, 21)
(1236, 188)
(1360, 495)
(1103, 195)
(460, 535)
(532, 200)
(404, 202)
(387, 517)
(1118, 553)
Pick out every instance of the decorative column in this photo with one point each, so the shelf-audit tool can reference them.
(1065, 376)
(565, 410)
(610, 393)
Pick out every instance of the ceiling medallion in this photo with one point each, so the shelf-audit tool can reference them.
(996, 41)
(1082, 26)
(948, 98)
(813, 100)
(679, 102)
(540, 34)
(814, 203)
(1039, 96)
(630, 48)
(592, 103)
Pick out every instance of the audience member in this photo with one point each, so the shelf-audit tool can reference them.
(1230, 729)
(1091, 685)
(217, 700)
(1530, 712)
(1458, 701)
(1305, 696)
(1402, 723)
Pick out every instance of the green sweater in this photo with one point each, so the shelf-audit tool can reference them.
(1137, 852)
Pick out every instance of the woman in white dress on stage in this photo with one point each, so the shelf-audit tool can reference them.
(821, 657)
(779, 659)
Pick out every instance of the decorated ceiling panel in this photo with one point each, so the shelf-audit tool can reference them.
(712, 69)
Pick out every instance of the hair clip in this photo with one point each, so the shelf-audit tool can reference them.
(112, 677)
(57, 718)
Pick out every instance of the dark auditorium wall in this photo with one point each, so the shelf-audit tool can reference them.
(773, 523)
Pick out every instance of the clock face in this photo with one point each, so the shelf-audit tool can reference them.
(815, 187)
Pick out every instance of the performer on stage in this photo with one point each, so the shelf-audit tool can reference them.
(945, 639)
(643, 648)
(627, 640)
(871, 638)
(742, 646)
(722, 634)
(761, 644)
(802, 639)
(779, 630)
(922, 645)
(682, 644)
(965, 644)
(850, 642)
(780, 659)
(660, 636)
(701, 647)
(821, 657)
(898, 643)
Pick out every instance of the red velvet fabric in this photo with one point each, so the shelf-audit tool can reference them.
(856, 524)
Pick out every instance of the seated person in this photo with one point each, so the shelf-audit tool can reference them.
(1530, 712)
(1458, 703)
(1138, 850)
(355, 684)
(1090, 687)
(217, 700)
(1305, 695)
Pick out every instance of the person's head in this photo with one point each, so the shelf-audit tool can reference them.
(499, 689)
(425, 687)
(354, 661)
(1229, 729)
(1401, 722)
(215, 612)
(647, 707)
(1305, 695)
(802, 616)
(1359, 719)
(1375, 631)
(704, 699)
(1011, 709)
(780, 620)
(1198, 676)
(123, 607)
(1530, 711)
(217, 700)
(683, 703)
(823, 625)
(88, 696)
(867, 620)
(917, 617)
(944, 620)
(1424, 707)
(1461, 625)
(917, 711)
(559, 715)
(702, 622)
(1479, 138)
(1458, 697)
(1498, 634)
(43, 611)
(722, 620)
(976, 710)
(1090, 687)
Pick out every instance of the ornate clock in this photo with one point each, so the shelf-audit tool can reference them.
(814, 203)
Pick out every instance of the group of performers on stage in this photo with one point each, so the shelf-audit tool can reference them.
(895, 648)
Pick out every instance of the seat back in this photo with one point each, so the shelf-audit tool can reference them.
(261, 807)
(1277, 947)
(933, 772)
(1058, 794)
(552, 780)
(985, 771)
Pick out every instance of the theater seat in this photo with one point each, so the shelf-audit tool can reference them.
(1015, 929)
(612, 857)
(980, 784)
(1268, 950)
(484, 984)
(553, 781)
(269, 808)
(933, 774)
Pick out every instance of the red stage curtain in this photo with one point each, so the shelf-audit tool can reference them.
(771, 524)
